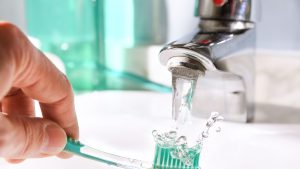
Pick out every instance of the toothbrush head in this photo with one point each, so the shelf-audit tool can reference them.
(165, 159)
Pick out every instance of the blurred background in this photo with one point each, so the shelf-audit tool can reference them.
(114, 45)
(105, 45)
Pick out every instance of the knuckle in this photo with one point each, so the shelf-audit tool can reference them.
(68, 91)
(33, 139)
(65, 94)
(68, 84)
(14, 92)
(19, 137)
(27, 133)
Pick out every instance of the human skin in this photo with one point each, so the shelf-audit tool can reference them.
(27, 75)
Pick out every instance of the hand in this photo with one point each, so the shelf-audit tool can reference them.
(27, 75)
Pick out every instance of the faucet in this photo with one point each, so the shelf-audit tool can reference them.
(221, 50)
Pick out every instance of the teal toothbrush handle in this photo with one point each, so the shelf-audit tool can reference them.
(77, 148)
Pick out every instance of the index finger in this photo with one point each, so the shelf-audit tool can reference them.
(40, 79)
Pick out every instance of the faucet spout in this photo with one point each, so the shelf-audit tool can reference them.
(222, 50)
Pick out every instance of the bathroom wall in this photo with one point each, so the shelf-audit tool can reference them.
(279, 27)
(13, 11)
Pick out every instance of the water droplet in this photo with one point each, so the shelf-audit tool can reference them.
(220, 118)
(205, 134)
(218, 129)
(209, 123)
(188, 162)
(214, 114)
(131, 160)
(173, 154)
(199, 141)
(181, 140)
(154, 133)
(180, 154)
(172, 134)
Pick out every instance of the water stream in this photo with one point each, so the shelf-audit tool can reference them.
(172, 149)
(183, 91)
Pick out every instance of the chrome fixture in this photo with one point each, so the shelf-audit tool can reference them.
(222, 48)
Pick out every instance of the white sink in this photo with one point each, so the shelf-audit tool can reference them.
(122, 122)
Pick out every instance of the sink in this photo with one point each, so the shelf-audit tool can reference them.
(277, 83)
(121, 122)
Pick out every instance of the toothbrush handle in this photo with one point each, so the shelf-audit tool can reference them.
(77, 148)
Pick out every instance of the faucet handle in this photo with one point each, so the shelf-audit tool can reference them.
(219, 2)
(230, 10)
(227, 15)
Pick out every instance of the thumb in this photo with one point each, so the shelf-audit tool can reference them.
(24, 137)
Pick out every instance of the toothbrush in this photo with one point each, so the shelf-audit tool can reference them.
(77, 148)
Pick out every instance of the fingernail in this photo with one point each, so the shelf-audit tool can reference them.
(55, 140)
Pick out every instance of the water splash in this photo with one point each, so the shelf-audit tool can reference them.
(213, 119)
(166, 140)
(178, 145)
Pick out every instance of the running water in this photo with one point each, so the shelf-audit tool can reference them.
(169, 143)
(183, 91)
(178, 146)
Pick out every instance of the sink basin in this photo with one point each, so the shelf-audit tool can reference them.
(277, 92)
(122, 122)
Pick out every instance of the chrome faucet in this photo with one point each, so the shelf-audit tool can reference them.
(221, 50)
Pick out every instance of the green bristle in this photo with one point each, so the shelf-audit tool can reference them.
(156, 154)
(164, 160)
(166, 157)
(196, 161)
(160, 155)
